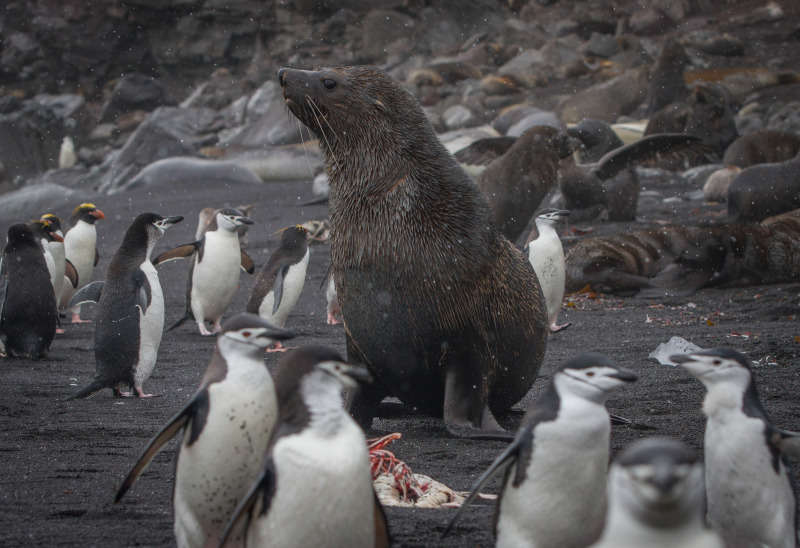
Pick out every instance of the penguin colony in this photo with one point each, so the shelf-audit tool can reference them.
(247, 434)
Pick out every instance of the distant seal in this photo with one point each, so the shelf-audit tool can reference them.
(27, 303)
(445, 312)
(516, 181)
(766, 146)
(763, 190)
(200, 171)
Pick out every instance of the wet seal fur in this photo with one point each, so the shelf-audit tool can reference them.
(444, 311)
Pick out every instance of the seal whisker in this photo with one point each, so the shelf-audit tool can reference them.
(315, 110)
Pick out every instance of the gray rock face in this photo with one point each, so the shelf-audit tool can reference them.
(135, 91)
(30, 139)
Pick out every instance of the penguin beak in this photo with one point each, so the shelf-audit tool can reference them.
(624, 375)
(173, 220)
(56, 237)
(270, 335)
(97, 214)
(681, 359)
(244, 221)
(358, 373)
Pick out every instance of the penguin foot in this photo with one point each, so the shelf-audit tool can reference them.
(278, 347)
(76, 318)
(332, 319)
(558, 328)
(204, 330)
(60, 331)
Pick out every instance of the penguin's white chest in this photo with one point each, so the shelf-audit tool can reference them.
(293, 284)
(323, 494)
(80, 248)
(50, 261)
(569, 462)
(215, 472)
(216, 277)
(151, 325)
(749, 502)
(59, 263)
(546, 255)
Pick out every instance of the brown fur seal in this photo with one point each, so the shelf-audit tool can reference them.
(444, 311)
(666, 78)
(763, 190)
(766, 146)
(516, 181)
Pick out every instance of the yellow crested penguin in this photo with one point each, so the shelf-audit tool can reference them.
(561, 449)
(280, 281)
(214, 273)
(130, 312)
(226, 426)
(318, 446)
(80, 248)
(28, 313)
(657, 499)
(546, 255)
(751, 498)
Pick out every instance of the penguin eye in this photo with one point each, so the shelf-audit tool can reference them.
(717, 362)
(329, 84)
(590, 374)
(246, 334)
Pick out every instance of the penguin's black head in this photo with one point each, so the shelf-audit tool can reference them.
(20, 234)
(229, 219)
(718, 366)
(661, 475)
(154, 221)
(591, 376)
(295, 365)
(293, 236)
(43, 229)
(253, 330)
(552, 214)
(54, 221)
(87, 213)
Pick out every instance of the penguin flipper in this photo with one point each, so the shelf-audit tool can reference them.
(96, 257)
(186, 316)
(179, 252)
(247, 263)
(71, 273)
(264, 486)
(87, 294)
(502, 463)
(3, 287)
(175, 425)
(277, 286)
(382, 537)
(787, 441)
(143, 292)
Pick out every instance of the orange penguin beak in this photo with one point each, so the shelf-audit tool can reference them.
(97, 214)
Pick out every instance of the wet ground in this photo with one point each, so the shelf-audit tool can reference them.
(62, 462)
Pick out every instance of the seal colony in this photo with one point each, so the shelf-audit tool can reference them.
(443, 310)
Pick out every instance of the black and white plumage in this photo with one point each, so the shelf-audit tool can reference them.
(280, 281)
(751, 499)
(130, 311)
(44, 234)
(226, 426)
(554, 491)
(315, 488)
(657, 499)
(214, 274)
(546, 255)
(65, 270)
(80, 249)
(28, 313)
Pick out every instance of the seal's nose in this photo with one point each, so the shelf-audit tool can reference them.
(281, 73)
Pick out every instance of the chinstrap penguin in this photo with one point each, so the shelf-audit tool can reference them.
(280, 281)
(214, 273)
(561, 449)
(546, 255)
(751, 498)
(315, 487)
(226, 426)
(130, 311)
(28, 313)
(207, 215)
(80, 248)
(657, 499)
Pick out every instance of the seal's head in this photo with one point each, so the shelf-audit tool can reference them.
(353, 106)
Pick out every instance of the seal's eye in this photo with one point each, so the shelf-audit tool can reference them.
(329, 83)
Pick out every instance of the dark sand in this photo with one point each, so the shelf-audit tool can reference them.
(62, 462)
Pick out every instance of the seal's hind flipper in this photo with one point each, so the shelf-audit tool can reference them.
(465, 413)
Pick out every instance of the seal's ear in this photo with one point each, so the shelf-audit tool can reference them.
(378, 104)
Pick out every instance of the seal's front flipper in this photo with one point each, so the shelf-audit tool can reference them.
(466, 414)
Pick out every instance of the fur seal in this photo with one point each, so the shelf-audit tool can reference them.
(516, 181)
(597, 139)
(444, 311)
(766, 146)
(763, 190)
(666, 78)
